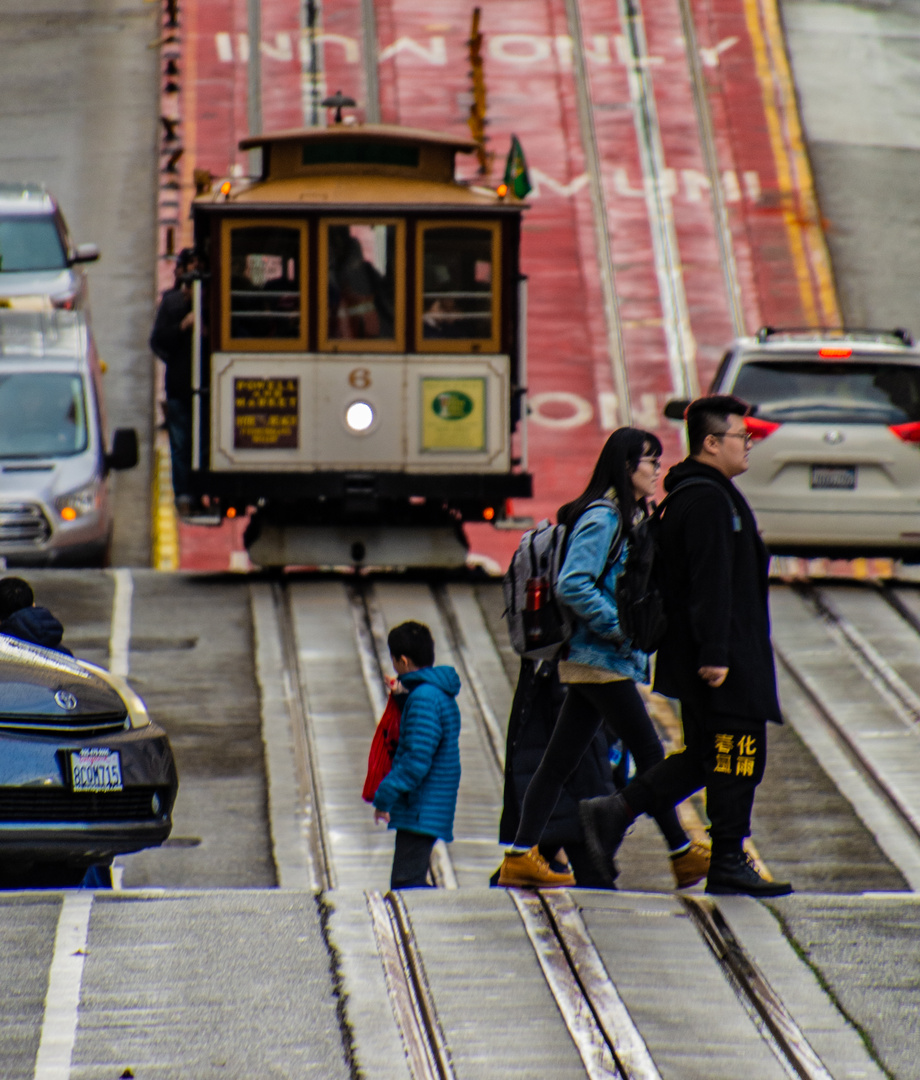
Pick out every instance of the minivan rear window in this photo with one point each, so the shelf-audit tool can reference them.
(30, 243)
(815, 391)
(42, 415)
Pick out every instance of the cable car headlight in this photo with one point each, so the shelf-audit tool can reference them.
(359, 416)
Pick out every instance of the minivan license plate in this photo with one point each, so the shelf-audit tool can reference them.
(95, 770)
(837, 477)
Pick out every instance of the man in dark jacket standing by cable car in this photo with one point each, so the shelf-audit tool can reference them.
(716, 656)
(171, 341)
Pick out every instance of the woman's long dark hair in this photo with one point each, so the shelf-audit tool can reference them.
(617, 462)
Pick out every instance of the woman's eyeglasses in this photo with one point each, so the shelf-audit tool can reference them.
(656, 462)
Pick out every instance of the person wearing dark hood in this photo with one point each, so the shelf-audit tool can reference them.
(418, 797)
(716, 655)
(22, 618)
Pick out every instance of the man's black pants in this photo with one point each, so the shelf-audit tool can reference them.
(725, 755)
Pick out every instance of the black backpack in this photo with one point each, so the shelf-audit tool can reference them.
(638, 594)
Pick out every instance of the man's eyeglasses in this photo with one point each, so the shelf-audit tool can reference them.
(746, 435)
(656, 462)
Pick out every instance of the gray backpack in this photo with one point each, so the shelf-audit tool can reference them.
(539, 623)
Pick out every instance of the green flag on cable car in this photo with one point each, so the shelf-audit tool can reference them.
(516, 176)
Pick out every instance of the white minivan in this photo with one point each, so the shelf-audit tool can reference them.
(835, 432)
(54, 460)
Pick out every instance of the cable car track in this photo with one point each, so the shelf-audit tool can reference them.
(601, 1026)
(766, 1009)
(901, 699)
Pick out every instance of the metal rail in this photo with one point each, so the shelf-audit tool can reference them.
(494, 737)
(680, 340)
(599, 212)
(410, 996)
(305, 754)
(903, 701)
(711, 160)
(766, 1009)
(873, 666)
(601, 1028)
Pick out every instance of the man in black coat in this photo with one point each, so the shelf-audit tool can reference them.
(171, 341)
(716, 656)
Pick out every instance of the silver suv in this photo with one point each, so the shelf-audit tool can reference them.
(40, 266)
(835, 461)
(54, 463)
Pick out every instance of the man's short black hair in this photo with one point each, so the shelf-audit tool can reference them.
(709, 416)
(414, 640)
(15, 594)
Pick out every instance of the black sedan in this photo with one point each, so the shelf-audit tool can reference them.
(85, 775)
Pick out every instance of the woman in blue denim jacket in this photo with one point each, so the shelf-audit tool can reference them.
(602, 666)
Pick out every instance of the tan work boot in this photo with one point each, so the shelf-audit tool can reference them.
(691, 866)
(529, 870)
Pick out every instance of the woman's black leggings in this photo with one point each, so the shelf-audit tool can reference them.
(617, 705)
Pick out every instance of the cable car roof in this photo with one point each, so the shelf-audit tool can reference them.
(377, 132)
(360, 191)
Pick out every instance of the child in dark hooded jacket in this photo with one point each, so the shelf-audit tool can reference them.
(22, 618)
(418, 796)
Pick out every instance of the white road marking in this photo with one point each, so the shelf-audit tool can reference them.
(62, 1002)
(120, 637)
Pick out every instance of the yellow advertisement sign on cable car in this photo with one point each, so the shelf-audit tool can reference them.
(454, 414)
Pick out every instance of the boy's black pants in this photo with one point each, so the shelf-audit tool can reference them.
(410, 860)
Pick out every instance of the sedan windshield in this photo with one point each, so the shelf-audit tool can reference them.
(42, 415)
(815, 391)
(30, 243)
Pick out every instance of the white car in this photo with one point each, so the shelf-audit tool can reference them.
(40, 266)
(54, 462)
(835, 460)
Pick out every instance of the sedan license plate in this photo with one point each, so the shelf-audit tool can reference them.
(95, 770)
(835, 477)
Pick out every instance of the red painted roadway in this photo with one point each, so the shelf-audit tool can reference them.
(423, 69)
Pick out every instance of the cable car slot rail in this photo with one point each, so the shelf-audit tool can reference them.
(766, 1009)
(878, 673)
(410, 996)
(305, 753)
(604, 1034)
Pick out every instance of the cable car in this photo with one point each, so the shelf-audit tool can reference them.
(359, 357)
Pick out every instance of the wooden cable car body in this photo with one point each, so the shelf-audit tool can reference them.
(358, 373)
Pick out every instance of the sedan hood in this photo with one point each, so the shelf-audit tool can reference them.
(40, 684)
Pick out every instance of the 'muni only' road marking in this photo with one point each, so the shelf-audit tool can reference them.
(62, 1001)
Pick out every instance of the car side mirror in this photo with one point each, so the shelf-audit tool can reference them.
(85, 253)
(124, 450)
(675, 409)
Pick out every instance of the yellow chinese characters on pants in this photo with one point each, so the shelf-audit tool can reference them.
(744, 763)
(724, 744)
(453, 414)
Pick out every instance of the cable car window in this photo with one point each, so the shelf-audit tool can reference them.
(264, 295)
(361, 288)
(460, 287)
(42, 414)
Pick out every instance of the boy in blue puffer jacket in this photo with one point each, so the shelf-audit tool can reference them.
(418, 796)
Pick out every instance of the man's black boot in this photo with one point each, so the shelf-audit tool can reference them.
(733, 872)
(604, 822)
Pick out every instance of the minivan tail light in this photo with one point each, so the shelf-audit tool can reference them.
(64, 301)
(759, 429)
(907, 432)
(835, 352)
